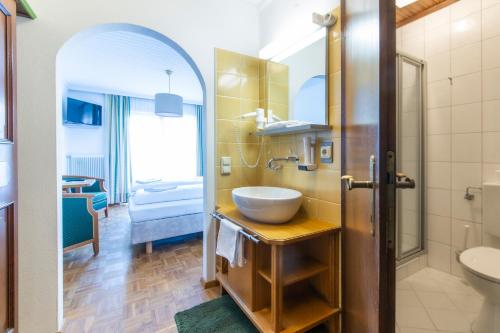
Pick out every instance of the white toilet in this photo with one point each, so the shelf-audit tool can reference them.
(481, 265)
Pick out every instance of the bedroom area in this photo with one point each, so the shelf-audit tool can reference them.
(132, 186)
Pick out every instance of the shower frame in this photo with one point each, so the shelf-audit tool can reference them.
(421, 248)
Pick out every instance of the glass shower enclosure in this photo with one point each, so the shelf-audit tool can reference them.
(411, 106)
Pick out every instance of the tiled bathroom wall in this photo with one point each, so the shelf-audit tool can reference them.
(239, 87)
(321, 188)
(237, 93)
(461, 44)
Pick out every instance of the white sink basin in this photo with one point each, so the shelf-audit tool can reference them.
(267, 204)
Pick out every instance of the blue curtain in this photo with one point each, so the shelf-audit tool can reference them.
(200, 167)
(119, 177)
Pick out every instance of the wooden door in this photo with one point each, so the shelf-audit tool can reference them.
(368, 116)
(8, 168)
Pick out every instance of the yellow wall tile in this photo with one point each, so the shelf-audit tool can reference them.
(250, 88)
(329, 211)
(228, 62)
(250, 67)
(228, 107)
(225, 131)
(228, 85)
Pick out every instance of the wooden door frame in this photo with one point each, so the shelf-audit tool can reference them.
(387, 121)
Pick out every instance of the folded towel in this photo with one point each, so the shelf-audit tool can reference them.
(230, 243)
(148, 181)
(160, 188)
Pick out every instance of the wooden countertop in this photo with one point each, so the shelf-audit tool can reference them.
(298, 229)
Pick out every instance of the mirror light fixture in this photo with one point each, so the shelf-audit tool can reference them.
(167, 104)
(403, 3)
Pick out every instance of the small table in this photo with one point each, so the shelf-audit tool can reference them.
(77, 185)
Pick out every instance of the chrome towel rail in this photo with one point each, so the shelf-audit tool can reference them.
(219, 217)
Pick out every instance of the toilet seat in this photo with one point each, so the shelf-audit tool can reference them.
(483, 261)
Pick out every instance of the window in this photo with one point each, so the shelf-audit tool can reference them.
(162, 147)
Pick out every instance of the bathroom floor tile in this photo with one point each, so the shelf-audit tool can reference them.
(450, 320)
(446, 303)
(413, 317)
(407, 298)
(435, 300)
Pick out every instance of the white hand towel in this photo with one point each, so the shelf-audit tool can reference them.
(241, 251)
(229, 243)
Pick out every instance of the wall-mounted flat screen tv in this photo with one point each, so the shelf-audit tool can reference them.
(82, 113)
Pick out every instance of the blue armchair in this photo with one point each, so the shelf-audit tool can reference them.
(80, 222)
(98, 190)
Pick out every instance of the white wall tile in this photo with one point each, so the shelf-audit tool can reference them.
(466, 210)
(474, 235)
(491, 28)
(491, 115)
(465, 174)
(439, 229)
(438, 67)
(466, 89)
(466, 30)
(491, 53)
(437, 40)
(437, 19)
(491, 84)
(490, 174)
(439, 175)
(466, 118)
(439, 256)
(414, 45)
(411, 29)
(439, 94)
(489, 3)
(439, 121)
(439, 202)
(466, 59)
(439, 148)
(491, 147)
(463, 8)
(466, 147)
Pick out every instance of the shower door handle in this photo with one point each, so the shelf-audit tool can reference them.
(403, 181)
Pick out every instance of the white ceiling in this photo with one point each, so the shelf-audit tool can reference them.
(260, 4)
(128, 63)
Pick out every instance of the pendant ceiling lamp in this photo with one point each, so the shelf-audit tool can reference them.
(167, 104)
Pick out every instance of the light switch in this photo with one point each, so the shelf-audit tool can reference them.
(326, 152)
(225, 165)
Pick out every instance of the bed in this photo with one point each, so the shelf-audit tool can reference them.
(165, 210)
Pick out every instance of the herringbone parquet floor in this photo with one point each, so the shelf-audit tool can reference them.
(125, 290)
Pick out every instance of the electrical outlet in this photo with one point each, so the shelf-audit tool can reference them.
(326, 152)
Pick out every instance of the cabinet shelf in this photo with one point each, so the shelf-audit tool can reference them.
(300, 312)
(296, 271)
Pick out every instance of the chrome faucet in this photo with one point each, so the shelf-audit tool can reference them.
(271, 165)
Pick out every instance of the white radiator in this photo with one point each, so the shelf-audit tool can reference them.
(85, 165)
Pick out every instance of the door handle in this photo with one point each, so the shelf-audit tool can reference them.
(403, 181)
(351, 184)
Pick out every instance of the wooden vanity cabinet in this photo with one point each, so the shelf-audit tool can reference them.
(291, 280)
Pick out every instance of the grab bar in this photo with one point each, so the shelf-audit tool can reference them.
(219, 217)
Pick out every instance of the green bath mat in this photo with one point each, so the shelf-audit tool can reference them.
(220, 315)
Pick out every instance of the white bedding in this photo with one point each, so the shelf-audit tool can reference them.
(188, 181)
(161, 210)
(183, 192)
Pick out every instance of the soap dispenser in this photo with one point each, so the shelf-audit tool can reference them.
(309, 154)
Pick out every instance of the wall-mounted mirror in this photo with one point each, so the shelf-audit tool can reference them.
(297, 83)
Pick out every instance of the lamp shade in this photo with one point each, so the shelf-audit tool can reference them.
(168, 105)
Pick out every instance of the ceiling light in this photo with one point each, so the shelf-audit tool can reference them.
(403, 3)
(167, 104)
